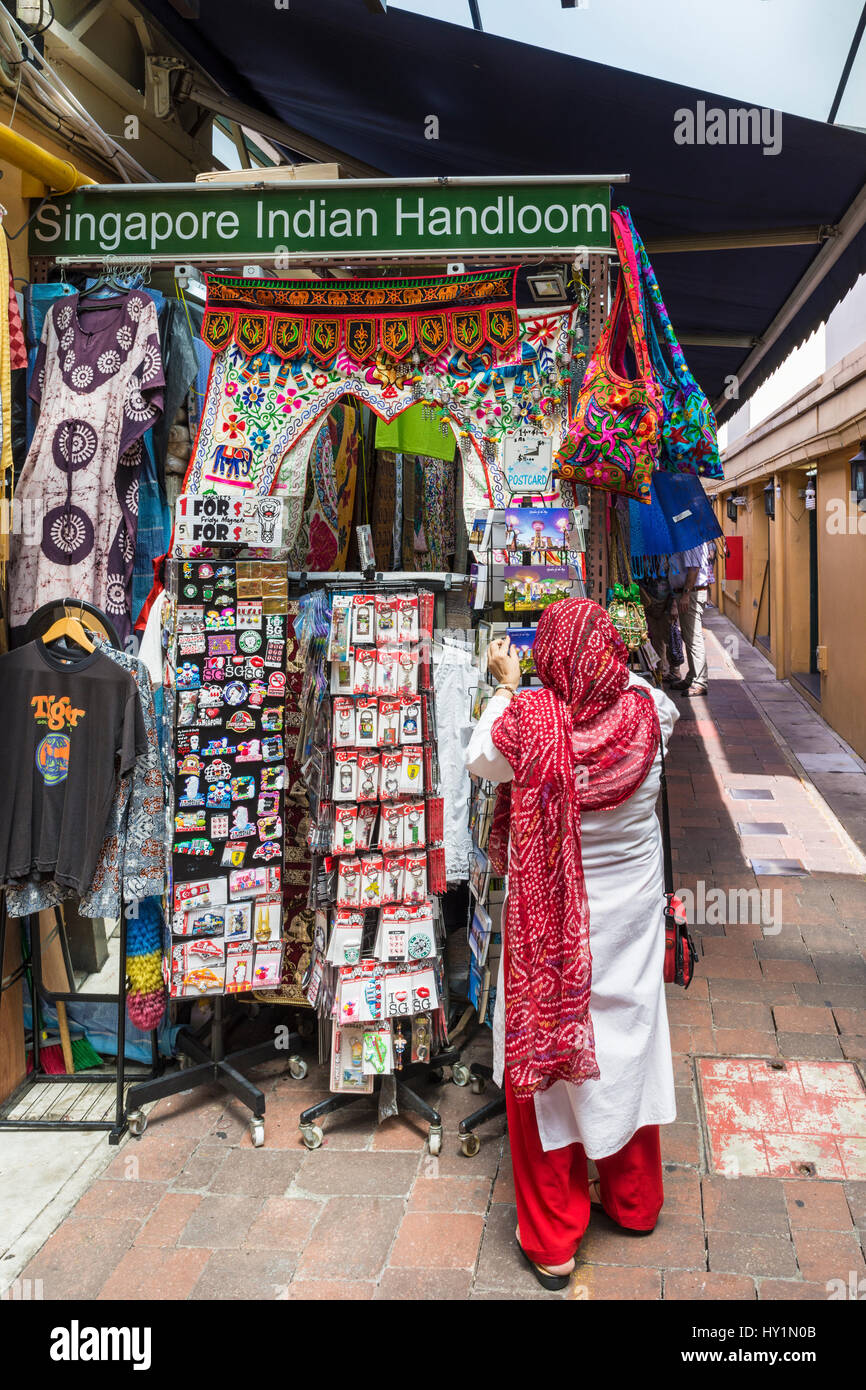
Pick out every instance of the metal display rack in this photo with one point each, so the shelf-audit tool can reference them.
(430, 1070)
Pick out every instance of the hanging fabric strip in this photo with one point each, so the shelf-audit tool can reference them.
(362, 317)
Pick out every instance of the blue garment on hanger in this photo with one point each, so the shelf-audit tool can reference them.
(679, 517)
(38, 300)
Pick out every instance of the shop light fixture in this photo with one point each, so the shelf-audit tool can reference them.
(731, 509)
(547, 287)
(770, 501)
(858, 475)
(810, 495)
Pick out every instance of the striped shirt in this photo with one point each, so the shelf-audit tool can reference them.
(703, 559)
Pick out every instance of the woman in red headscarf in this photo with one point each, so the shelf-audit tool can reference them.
(580, 1027)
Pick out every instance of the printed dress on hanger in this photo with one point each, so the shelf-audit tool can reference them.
(98, 389)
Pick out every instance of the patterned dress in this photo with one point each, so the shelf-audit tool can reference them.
(99, 389)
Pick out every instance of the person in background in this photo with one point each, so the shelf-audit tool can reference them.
(660, 608)
(696, 574)
(580, 1027)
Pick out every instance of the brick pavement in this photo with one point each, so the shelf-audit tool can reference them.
(192, 1211)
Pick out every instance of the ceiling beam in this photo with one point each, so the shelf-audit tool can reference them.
(88, 17)
(743, 241)
(720, 340)
(62, 45)
(194, 89)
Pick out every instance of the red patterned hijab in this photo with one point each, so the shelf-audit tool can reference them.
(585, 741)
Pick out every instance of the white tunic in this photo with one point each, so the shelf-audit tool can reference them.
(622, 864)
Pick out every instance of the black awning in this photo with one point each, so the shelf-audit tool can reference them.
(366, 84)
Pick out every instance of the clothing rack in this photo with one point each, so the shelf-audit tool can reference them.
(115, 1127)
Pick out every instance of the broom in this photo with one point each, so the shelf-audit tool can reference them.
(70, 1054)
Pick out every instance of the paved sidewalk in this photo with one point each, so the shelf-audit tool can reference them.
(193, 1211)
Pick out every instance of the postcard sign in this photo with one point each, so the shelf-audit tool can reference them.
(527, 460)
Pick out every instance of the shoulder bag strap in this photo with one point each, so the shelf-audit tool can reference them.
(666, 824)
(630, 280)
(659, 307)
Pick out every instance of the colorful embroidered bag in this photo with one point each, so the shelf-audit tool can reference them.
(613, 440)
(689, 442)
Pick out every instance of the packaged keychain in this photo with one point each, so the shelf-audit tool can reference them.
(350, 1000)
(413, 825)
(387, 617)
(386, 670)
(390, 712)
(410, 719)
(345, 829)
(343, 675)
(371, 996)
(268, 966)
(345, 775)
(394, 872)
(366, 667)
(344, 947)
(390, 775)
(371, 880)
(411, 772)
(378, 1059)
(407, 672)
(391, 827)
(366, 819)
(368, 776)
(343, 732)
(349, 883)
(415, 887)
(367, 722)
(424, 994)
(339, 637)
(407, 622)
(364, 618)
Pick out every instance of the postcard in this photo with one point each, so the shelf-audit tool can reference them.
(537, 529)
(536, 586)
(522, 639)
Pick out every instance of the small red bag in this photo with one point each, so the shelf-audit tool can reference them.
(680, 952)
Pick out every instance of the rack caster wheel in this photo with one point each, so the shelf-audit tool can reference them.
(460, 1074)
(297, 1068)
(478, 1085)
(137, 1121)
(469, 1145)
(312, 1136)
(257, 1131)
(434, 1140)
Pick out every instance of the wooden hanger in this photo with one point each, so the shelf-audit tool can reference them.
(71, 628)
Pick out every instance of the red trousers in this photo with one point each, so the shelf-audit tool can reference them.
(553, 1188)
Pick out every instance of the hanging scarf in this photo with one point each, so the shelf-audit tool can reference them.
(583, 742)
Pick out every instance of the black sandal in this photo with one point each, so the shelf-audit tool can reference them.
(553, 1283)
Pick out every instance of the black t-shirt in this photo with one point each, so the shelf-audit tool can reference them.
(68, 729)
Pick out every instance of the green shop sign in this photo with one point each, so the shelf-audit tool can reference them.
(190, 222)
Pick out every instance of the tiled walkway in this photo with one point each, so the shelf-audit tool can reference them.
(193, 1211)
